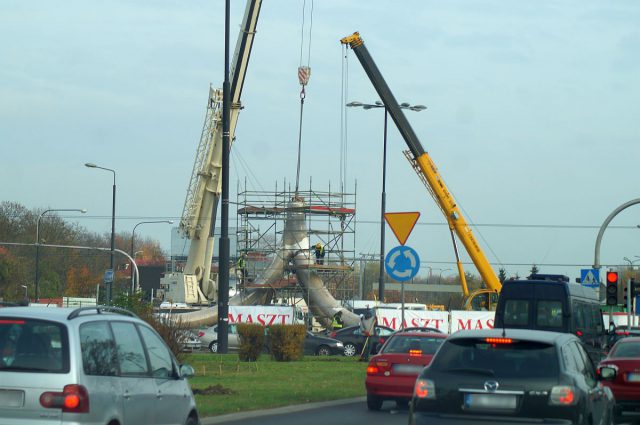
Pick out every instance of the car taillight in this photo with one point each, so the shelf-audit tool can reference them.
(377, 367)
(562, 395)
(333, 334)
(11, 322)
(415, 353)
(372, 370)
(200, 334)
(73, 399)
(498, 340)
(425, 389)
(579, 333)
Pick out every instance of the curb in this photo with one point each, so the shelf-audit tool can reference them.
(211, 420)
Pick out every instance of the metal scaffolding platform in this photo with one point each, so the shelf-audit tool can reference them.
(330, 218)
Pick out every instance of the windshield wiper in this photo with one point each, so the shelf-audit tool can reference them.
(477, 371)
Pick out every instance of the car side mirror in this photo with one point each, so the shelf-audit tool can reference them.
(186, 371)
(607, 373)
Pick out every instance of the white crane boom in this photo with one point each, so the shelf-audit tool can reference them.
(193, 284)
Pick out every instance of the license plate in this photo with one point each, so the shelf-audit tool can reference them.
(11, 398)
(490, 401)
(633, 377)
(407, 369)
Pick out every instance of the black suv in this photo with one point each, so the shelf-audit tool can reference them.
(513, 375)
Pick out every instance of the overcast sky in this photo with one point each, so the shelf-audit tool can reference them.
(532, 115)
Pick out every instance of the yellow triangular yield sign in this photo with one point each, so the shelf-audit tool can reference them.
(402, 224)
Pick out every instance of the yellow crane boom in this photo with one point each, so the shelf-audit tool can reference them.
(428, 172)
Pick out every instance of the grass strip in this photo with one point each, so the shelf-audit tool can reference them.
(229, 385)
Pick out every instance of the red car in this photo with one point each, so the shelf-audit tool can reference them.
(625, 357)
(392, 373)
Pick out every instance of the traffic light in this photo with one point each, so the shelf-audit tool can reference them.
(612, 288)
(635, 290)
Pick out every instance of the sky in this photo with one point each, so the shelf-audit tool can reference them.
(531, 115)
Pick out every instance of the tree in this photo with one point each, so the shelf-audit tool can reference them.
(534, 269)
(502, 275)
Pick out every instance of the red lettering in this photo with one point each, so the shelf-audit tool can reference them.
(284, 319)
(261, 319)
(415, 322)
(392, 324)
(273, 318)
(490, 323)
(237, 319)
(249, 318)
(462, 326)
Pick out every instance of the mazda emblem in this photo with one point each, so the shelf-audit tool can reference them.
(491, 386)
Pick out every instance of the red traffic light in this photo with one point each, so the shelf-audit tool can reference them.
(612, 277)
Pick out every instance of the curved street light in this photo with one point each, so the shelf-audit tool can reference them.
(383, 201)
(133, 254)
(37, 279)
(631, 262)
(113, 223)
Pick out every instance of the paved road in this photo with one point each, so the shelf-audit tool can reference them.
(341, 412)
(345, 412)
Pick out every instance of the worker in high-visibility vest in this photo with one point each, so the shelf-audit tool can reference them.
(241, 267)
(337, 323)
(319, 251)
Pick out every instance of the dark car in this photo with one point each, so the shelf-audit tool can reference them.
(392, 373)
(625, 356)
(321, 345)
(514, 375)
(353, 339)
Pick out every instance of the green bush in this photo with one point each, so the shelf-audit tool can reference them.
(251, 341)
(286, 342)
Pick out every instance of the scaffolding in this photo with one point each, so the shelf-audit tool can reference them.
(330, 220)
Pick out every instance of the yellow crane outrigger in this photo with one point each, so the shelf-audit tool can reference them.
(428, 173)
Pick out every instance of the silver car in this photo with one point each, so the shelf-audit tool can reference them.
(91, 365)
(209, 338)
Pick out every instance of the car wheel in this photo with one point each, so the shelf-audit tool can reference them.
(374, 402)
(350, 349)
(213, 346)
(323, 350)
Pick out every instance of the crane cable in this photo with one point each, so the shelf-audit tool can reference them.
(304, 73)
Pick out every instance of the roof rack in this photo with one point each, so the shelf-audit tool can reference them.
(554, 277)
(99, 309)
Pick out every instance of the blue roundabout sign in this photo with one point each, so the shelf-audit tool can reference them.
(402, 263)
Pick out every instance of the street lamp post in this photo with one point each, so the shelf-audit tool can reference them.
(113, 224)
(133, 254)
(440, 276)
(383, 200)
(631, 262)
(37, 280)
(26, 291)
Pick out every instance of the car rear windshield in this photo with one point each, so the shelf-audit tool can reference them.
(407, 343)
(526, 359)
(33, 346)
(626, 349)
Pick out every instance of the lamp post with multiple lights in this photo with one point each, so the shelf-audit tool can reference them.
(113, 225)
(383, 202)
(37, 280)
(133, 254)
